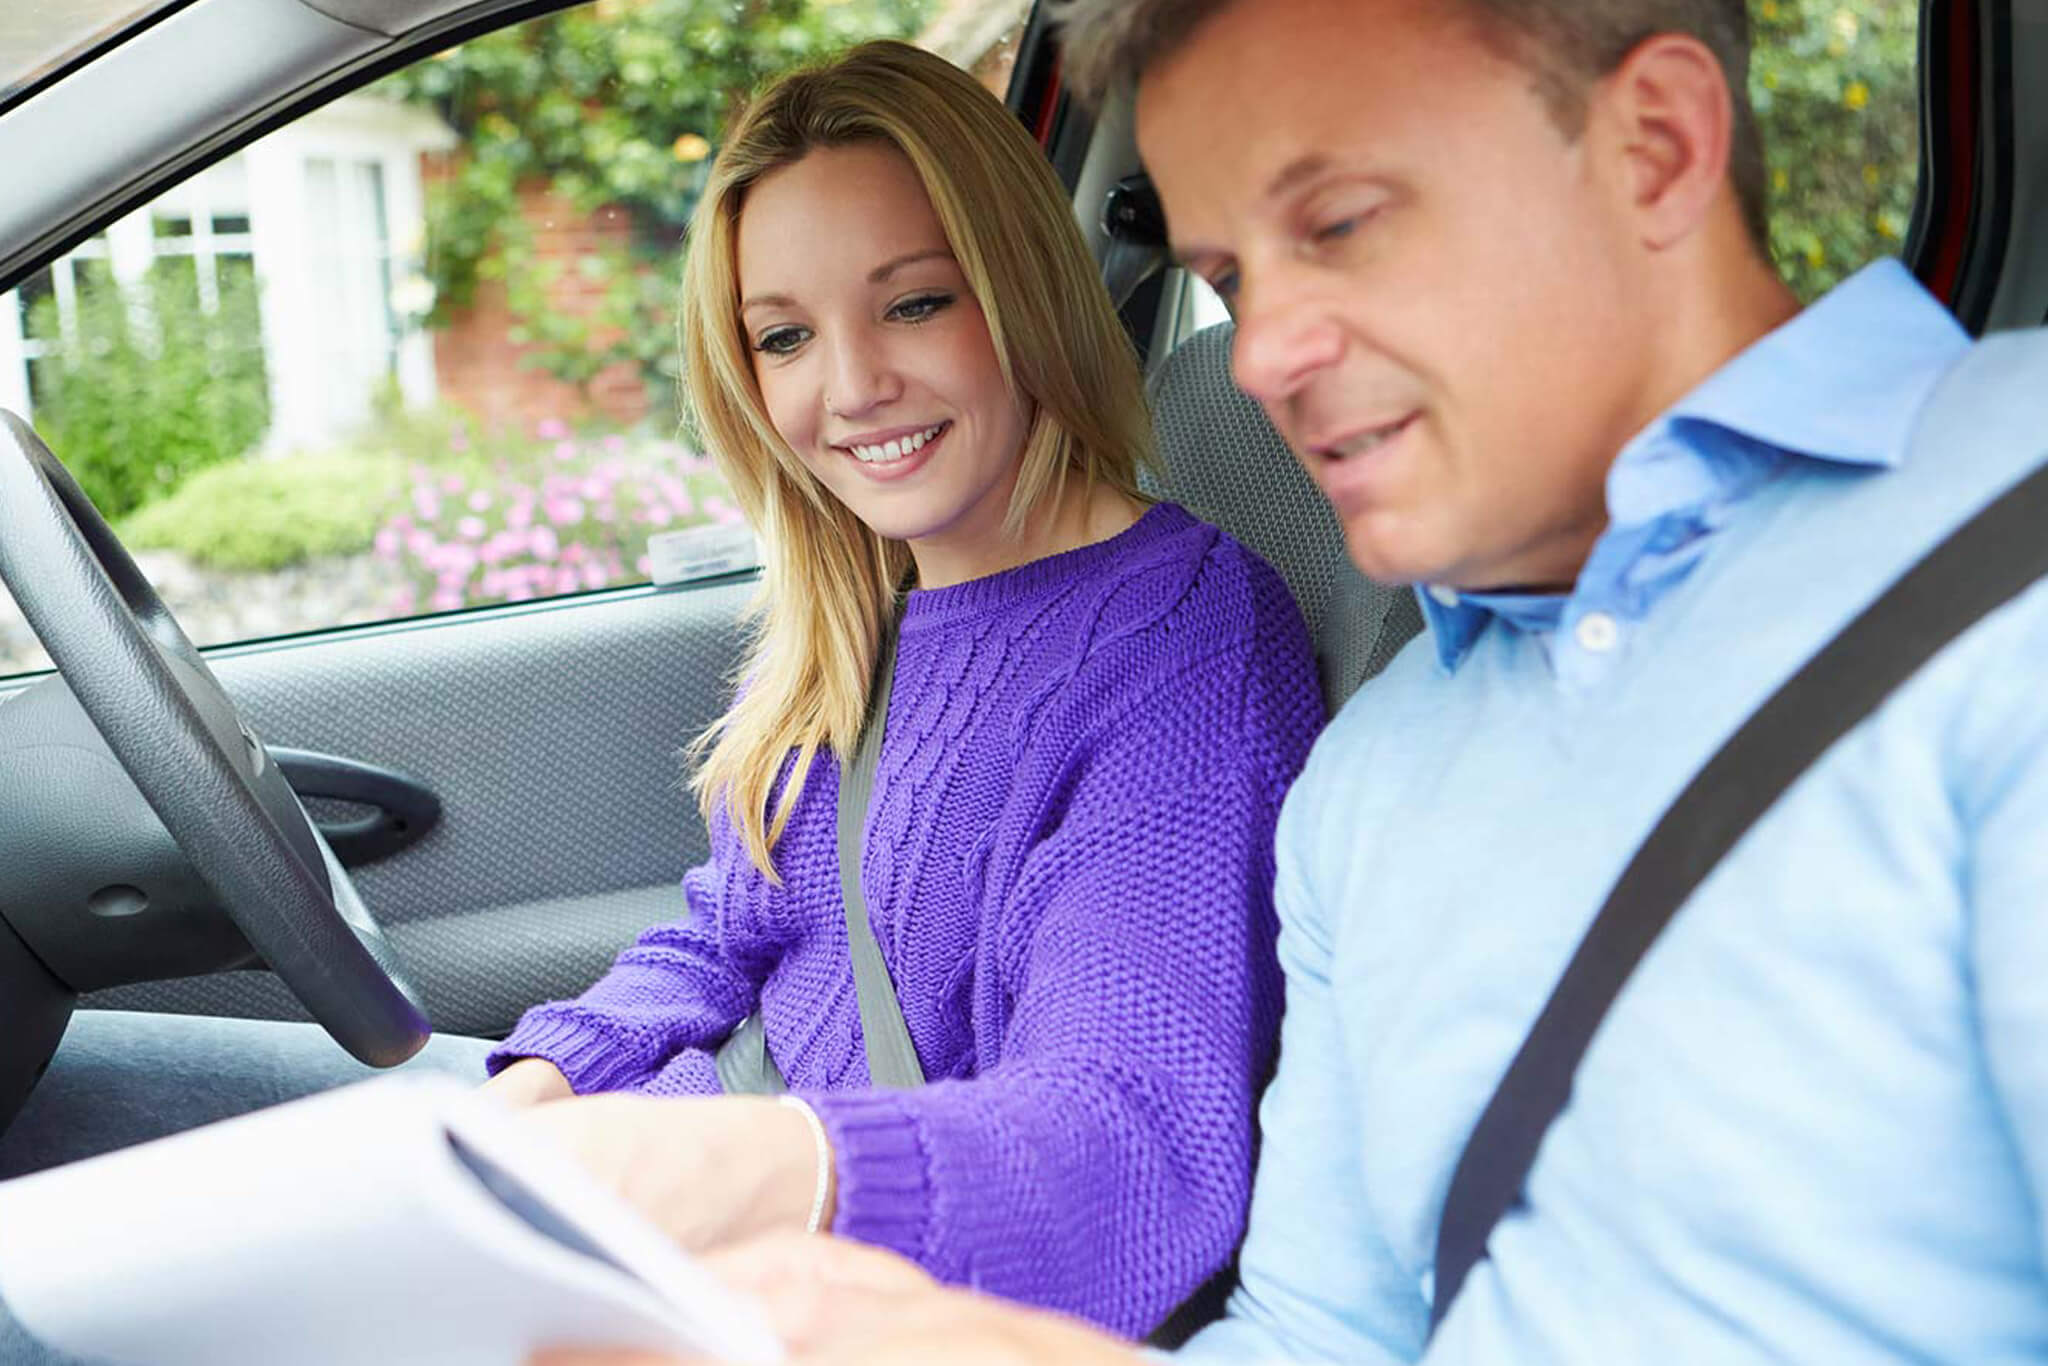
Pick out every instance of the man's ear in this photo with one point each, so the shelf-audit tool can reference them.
(1669, 118)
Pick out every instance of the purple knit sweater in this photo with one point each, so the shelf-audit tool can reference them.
(1069, 870)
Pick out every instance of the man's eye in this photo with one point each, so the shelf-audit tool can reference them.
(921, 307)
(1337, 230)
(780, 341)
(1224, 282)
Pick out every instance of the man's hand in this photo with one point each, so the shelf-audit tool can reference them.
(707, 1171)
(530, 1081)
(836, 1303)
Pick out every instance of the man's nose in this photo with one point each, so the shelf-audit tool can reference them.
(1286, 334)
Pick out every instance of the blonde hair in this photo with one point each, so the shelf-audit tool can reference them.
(829, 581)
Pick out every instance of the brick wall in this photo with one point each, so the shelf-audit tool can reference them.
(477, 364)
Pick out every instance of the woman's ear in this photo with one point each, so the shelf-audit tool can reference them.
(1668, 117)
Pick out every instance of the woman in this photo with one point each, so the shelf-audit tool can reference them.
(899, 352)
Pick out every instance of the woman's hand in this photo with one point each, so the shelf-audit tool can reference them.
(707, 1171)
(530, 1081)
(836, 1303)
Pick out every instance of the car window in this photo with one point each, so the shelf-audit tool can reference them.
(37, 36)
(1834, 84)
(415, 352)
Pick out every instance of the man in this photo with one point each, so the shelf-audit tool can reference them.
(1498, 278)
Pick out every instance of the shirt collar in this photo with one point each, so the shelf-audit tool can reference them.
(1841, 382)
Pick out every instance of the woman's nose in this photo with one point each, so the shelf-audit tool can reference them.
(860, 379)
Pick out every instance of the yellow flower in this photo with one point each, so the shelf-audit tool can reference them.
(1871, 175)
(690, 148)
(1770, 80)
(1857, 95)
(1888, 225)
(1816, 255)
(1768, 9)
(1780, 181)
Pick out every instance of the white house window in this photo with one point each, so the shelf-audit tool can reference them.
(316, 223)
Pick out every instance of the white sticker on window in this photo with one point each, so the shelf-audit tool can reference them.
(701, 552)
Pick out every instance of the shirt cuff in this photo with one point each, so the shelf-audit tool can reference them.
(884, 1178)
(590, 1059)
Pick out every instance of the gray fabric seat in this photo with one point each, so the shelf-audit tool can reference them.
(1223, 461)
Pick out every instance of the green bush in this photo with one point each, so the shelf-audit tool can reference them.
(268, 514)
(146, 387)
(1836, 95)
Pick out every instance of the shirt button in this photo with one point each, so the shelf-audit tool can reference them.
(1445, 597)
(1597, 633)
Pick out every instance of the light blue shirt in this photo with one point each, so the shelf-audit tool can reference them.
(1814, 1127)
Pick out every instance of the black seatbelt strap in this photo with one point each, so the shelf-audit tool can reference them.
(892, 1061)
(1984, 564)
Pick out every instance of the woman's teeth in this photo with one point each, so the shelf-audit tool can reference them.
(897, 449)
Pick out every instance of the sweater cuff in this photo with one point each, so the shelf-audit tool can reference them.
(591, 1059)
(884, 1178)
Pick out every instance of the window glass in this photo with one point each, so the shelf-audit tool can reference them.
(1835, 88)
(415, 352)
(37, 35)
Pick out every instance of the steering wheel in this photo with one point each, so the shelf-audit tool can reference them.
(204, 773)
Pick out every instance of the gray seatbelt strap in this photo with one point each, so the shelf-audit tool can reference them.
(745, 1066)
(891, 1059)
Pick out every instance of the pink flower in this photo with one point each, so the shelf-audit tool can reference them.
(404, 603)
(470, 528)
(543, 543)
(657, 513)
(552, 429)
(721, 511)
(387, 543)
(479, 500)
(426, 503)
(519, 516)
(566, 451)
(446, 600)
(458, 441)
(594, 576)
(566, 581)
(453, 559)
(574, 553)
(451, 483)
(615, 444)
(644, 567)
(564, 511)
(419, 544)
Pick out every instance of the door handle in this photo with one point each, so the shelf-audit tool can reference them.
(402, 810)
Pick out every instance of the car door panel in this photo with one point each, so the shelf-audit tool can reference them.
(552, 736)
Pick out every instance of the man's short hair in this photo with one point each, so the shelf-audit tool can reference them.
(1566, 45)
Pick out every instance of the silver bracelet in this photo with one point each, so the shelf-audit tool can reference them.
(824, 1147)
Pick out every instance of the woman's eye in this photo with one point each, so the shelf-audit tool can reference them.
(779, 341)
(920, 307)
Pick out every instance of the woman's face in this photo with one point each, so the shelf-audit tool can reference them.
(874, 361)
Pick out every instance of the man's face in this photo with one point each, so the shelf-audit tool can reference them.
(1435, 287)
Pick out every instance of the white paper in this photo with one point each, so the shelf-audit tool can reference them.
(344, 1230)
